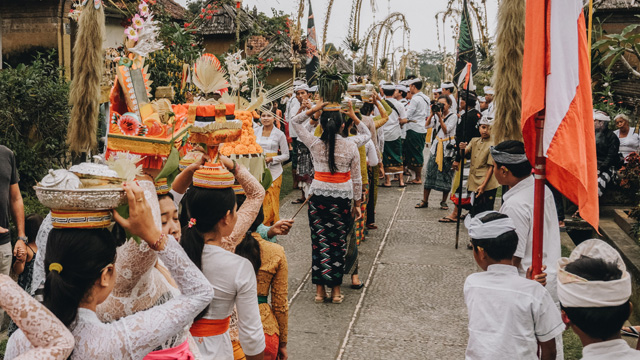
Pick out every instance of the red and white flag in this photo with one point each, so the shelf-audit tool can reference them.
(557, 78)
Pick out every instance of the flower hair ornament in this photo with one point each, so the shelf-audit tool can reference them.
(192, 223)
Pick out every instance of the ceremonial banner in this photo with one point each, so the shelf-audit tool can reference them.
(557, 79)
(466, 52)
(312, 49)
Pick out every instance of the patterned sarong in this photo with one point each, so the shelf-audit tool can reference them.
(439, 180)
(271, 203)
(413, 149)
(392, 157)
(330, 220)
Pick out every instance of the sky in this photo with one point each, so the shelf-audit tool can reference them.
(420, 15)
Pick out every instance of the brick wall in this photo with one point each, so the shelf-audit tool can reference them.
(256, 44)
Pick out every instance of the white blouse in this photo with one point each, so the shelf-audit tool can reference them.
(347, 158)
(134, 336)
(629, 143)
(234, 283)
(450, 121)
(272, 144)
(48, 336)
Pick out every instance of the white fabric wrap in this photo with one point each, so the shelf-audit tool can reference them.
(575, 291)
(489, 230)
(601, 115)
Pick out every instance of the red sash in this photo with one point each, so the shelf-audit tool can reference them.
(208, 327)
(332, 178)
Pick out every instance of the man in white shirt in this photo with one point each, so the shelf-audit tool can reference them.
(512, 168)
(594, 288)
(392, 156)
(488, 95)
(418, 111)
(510, 317)
(447, 89)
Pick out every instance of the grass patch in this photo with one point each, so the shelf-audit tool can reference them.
(564, 251)
(572, 345)
(3, 347)
(287, 181)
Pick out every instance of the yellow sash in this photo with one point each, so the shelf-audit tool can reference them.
(440, 151)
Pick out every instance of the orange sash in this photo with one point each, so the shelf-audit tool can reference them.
(208, 327)
(332, 178)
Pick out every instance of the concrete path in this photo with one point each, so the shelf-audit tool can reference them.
(412, 305)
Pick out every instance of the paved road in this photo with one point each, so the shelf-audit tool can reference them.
(412, 306)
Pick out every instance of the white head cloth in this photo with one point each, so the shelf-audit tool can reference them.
(402, 88)
(388, 86)
(438, 90)
(298, 82)
(382, 82)
(574, 291)
(485, 120)
(600, 115)
(301, 87)
(413, 81)
(446, 85)
(481, 99)
(404, 82)
(313, 88)
(506, 158)
(488, 90)
(489, 230)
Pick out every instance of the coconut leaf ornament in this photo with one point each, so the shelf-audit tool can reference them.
(331, 84)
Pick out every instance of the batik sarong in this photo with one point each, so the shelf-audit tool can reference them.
(414, 147)
(330, 221)
(271, 203)
(439, 180)
(392, 157)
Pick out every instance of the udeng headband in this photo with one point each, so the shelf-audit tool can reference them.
(506, 158)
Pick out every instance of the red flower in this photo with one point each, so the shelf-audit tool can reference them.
(279, 32)
(129, 124)
(605, 101)
(202, 10)
(186, 25)
(173, 43)
(260, 59)
(193, 44)
(201, 16)
(209, 6)
(209, 11)
(209, 17)
(270, 60)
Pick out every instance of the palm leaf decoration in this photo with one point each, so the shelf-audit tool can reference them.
(331, 84)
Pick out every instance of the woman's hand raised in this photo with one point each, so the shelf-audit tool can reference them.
(140, 221)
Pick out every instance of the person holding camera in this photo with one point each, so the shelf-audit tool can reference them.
(439, 173)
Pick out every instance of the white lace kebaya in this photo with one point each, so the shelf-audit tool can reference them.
(48, 337)
(347, 158)
(134, 336)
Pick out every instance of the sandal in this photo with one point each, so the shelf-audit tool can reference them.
(415, 182)
(298, 201)
(631, 332)
(385, 185)
(469, 246)
(447, 220)
(372, 226)
(319, 299)
(444, 206)
(337, 299)
(358, 286)
(423, 204)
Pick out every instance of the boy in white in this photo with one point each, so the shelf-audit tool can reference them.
(509, 316)
(594, 289)
(512, 168)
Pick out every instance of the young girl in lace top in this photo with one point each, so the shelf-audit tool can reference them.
(49, 338)
(337, 181)
(214, 219)
(81, 274)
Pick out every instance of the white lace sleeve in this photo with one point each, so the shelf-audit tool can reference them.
(133, 270)
(356, 176)
(248, 211)
(41, 334)
(304, 134)
(136, 335)
(41, 241)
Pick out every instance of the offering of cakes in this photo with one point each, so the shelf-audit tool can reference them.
(246, 150)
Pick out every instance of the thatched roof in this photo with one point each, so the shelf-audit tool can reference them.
(280, 52)
(224, 22)
(622, 5)
(175, 10)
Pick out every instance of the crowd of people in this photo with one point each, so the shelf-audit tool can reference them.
(207, 279)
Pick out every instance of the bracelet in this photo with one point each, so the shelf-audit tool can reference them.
(158, 243)
(24, 239)
(235, 164)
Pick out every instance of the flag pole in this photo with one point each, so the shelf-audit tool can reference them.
(462, 154)
(539, 172)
